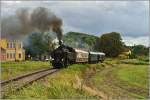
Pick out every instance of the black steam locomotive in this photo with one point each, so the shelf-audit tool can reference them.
(64, 55)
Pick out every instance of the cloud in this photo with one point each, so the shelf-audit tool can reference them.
(131, 41)
(130, 18)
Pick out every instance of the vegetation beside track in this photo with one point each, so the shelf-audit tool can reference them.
(62, 84)
(113, 79)
(123, 80)
(13, 69)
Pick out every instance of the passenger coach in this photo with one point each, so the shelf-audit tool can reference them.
(95, 57)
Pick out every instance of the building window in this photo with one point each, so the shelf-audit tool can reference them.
(7, 45)
(14, 45)
(14, 56)
(7, 55)
(10, 45)
(19, 55)
(20, 45)
(10, 55)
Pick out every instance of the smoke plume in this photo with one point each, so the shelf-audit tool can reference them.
(26, 21)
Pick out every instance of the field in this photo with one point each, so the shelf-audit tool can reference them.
(113, 79)
(13, 69)
(124, 81)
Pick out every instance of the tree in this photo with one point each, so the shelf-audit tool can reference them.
(48, 41)
(38, 44)
(140, 50)
(81, 40)
(111, 44)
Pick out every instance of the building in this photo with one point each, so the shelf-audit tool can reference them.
(125, 55)
(11, 50)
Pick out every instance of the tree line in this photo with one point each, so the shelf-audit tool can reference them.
(109, 43)
(112, 45)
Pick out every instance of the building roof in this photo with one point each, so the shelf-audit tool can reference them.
(3, 49)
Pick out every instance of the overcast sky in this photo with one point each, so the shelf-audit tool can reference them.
(130, 18)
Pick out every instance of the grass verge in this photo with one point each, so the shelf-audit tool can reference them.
(13, 69)
(61, 85)
(118, 81)
(123, 81)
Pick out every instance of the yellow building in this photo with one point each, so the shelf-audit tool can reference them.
(12, 50)
(125, 55)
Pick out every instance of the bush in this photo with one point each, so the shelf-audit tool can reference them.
(132, 56)
(144, 58)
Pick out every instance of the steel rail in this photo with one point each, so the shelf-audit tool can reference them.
(20, 77)
(24, 80)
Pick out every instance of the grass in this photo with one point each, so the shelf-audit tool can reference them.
(143, 58)
(119, 80)
(135, 62)
(13, 69)
(134, 79)
(123, 81)
(55, 91)
(61, 85)
(135, 75)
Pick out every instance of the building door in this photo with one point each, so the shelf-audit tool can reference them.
(19, 55)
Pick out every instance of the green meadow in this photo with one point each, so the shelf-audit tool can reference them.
(114, 79)
(13, 69)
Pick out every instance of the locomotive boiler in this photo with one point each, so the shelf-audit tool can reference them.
(64, 55)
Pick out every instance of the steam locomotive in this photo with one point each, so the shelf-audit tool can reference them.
(64, 55)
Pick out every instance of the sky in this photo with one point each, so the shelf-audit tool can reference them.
(130, 18)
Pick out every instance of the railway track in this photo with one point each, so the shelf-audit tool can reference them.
(23, 80)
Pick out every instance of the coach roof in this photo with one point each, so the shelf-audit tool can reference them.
(79, 50)
(98, 53)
